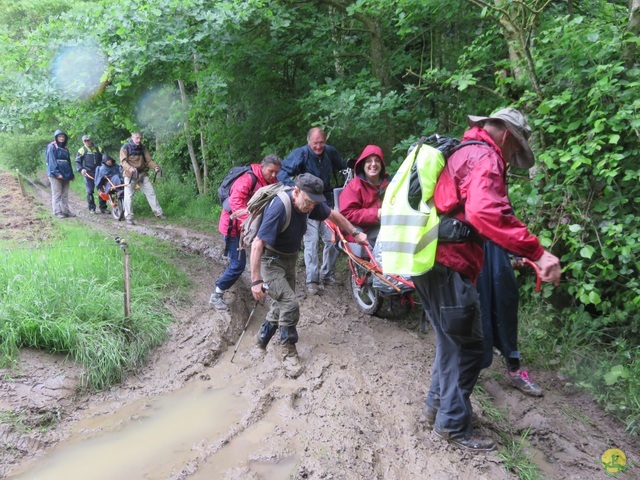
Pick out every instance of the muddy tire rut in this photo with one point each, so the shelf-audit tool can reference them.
(355, 412)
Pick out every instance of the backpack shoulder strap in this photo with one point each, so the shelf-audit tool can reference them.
(286, 201)
(255, 179)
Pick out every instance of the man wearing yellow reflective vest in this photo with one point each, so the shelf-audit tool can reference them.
(472, 189)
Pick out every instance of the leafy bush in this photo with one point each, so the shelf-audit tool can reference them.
(588, 180)
(24, 151)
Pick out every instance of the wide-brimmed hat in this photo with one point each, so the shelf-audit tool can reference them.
(518, 126)
(312, 186)
(86, 137)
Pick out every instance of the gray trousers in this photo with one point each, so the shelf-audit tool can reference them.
(279, 272)
(147, 188)
(59, 196)
(452, 304)
(330, 254)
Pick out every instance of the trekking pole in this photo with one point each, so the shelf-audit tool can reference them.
(265, 288)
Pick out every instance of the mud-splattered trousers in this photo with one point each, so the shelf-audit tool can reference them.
(452, 304)
(279, 273)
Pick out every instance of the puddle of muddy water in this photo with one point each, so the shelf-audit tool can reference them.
(247, 446)
(542, 463)
(149, 439)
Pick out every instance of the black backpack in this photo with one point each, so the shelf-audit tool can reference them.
(225, 187)
(447, 146)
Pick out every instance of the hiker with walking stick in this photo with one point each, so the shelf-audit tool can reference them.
(274, 253)
(265, 287)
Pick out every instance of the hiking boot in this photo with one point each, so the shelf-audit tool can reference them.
(430, 415)
(469, 441)
(331, 281)
(290, 361)
(60, 216)
(70, 215)
(266, 332)
(217, 301)
(130, 221)
(523, 382)
(312, 288)
(104, 210)
(92, 212)
(162, 216)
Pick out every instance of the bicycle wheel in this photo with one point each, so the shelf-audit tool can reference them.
(367, 298)
(117, 208)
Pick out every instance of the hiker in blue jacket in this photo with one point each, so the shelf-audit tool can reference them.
(320, 160)
(60, 173)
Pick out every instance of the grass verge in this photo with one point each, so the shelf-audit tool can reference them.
(66, 296)
(607, 369)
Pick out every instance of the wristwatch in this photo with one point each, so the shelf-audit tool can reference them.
(356, 232)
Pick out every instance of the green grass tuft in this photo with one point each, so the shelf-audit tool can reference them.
(67, 297)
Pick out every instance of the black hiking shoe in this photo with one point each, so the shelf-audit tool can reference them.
(331, 281)
(469, 441)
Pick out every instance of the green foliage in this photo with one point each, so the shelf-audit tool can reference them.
(24, 152)
(258, 74)
(590, 124)
(67, 298)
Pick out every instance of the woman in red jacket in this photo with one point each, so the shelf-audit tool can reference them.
(361, 199)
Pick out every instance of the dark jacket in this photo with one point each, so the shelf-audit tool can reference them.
(88, 159)
(58, 158)
(304, 160)
(113, 173)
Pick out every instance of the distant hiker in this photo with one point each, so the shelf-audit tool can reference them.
(499, 299)
(231, 219)
(108, 169)
(60, 173)
(273, 261)
(88, 159)
(319, 159)
(136, 162)
(361, 199)
(472, 188)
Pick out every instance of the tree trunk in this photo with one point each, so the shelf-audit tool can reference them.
(192, 152)
(205, 167)
(631, 50)
(203, 142)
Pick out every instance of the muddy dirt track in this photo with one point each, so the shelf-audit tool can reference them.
(355, 413)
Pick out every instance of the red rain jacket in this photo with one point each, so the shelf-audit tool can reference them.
(473, 188)
(239, 196)
(360, 200)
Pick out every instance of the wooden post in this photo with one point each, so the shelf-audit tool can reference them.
(127, 287)
(127, 284)
(24, 194)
